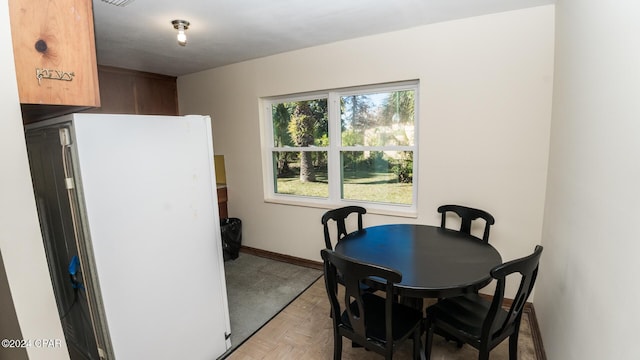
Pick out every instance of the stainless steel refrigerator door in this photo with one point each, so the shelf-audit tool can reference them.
(149, 194)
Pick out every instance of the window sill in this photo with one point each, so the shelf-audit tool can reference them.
(371, 208)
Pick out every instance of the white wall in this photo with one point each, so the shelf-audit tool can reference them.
(485, 110)
(20, 240)
(587, 296)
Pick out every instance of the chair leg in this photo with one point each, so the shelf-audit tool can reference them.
(428, 341)
(513, 340)
(513, 346)
(417, 346)
(337, 346)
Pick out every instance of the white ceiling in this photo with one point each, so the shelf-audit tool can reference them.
(140, 36)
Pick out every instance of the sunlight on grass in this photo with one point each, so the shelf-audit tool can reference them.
(293, 186)
(383, 193)
(376, 187)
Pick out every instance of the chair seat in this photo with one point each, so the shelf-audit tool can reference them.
(405, 318)
(466, 313)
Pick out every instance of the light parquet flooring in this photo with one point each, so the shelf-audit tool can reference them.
(303, 330)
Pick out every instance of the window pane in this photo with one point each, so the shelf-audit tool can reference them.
(380, 119)
(378, 176)
(301, 173)
(300, 123)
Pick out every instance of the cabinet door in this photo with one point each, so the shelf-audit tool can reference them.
(157, 95)
(54, 50)
(124, 91)
(117, 93)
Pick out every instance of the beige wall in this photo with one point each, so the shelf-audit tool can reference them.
(587, 297)
(485, 110)
(20, 240)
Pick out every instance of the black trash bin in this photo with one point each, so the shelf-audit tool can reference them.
(231, 230)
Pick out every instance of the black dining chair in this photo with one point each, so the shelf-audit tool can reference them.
(371, 321)
(339, 216)
(467, 215)
(484, 323)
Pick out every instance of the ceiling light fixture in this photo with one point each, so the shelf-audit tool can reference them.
(181, 26)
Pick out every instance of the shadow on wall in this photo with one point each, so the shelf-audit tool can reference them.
(9, 326)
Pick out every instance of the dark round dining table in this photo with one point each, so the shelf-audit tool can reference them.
(434, 262)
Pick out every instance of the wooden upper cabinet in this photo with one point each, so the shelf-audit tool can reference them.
(125, 91)
(54, 51)
(157, 95)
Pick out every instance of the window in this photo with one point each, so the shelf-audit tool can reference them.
(343, 146)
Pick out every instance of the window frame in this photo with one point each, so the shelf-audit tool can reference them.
(334, 149)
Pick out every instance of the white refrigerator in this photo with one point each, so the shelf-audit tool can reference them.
(129, 217)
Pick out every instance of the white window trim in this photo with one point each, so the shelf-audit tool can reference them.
(333, 170)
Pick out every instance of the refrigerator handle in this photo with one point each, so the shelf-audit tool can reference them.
(65, 136)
